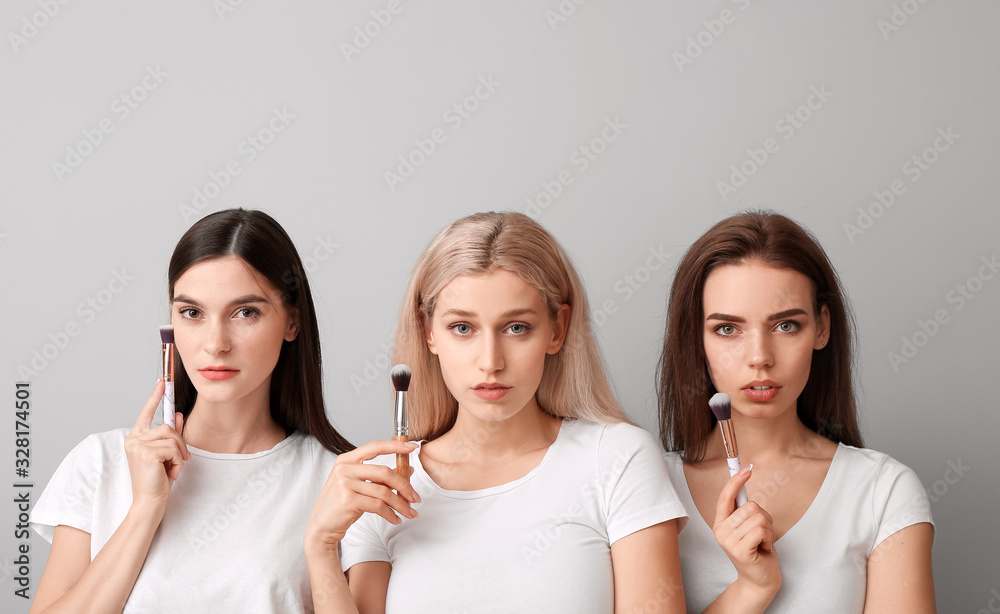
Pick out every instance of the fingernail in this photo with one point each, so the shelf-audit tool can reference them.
(417, 497)
(746, 470)
(412, 444)
(415, 513)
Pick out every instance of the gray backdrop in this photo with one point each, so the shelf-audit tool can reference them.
(626, 128)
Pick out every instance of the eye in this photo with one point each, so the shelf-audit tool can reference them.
(788, 326)
(462, 329)
(189, 313)
(725, 330)
(518, 329)
(247, 313)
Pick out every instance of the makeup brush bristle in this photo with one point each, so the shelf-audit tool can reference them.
(720, 406)
(400, 375)
(167, 333)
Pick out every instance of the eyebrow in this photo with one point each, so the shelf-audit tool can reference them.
(510, 313)
(243, 300)
(778, 316)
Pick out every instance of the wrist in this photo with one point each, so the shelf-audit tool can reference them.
(317, 543)
(760, 595)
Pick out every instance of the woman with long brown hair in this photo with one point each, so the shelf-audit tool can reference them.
(756, 311)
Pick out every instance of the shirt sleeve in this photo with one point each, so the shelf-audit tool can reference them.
(900, 500)
(637, 487)
(68, 499)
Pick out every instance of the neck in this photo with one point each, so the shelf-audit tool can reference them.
(240, 427)
(488, 441)
(761, 439)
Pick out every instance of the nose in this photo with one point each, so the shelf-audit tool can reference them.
(490, 358)
(759, 352)
(217, 338)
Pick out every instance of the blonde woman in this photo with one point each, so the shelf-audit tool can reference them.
(536, 494)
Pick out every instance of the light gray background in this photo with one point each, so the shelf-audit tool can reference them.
(555, 85)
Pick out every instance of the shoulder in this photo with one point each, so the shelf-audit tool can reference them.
(311, 448)
(617, 434)
(106, 447)
(875, 465)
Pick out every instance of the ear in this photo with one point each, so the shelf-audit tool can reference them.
(560, 328)
(822, 328)
(292, 332)
(425, 327)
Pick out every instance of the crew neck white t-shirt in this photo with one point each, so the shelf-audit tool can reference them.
(231, 537)
(866, 497)
(541, 543)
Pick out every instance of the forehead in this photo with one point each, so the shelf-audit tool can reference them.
(222, 277)
(756, 289)
(495, 291)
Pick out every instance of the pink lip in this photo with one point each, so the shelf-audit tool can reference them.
(490, 391)
(218, 373)
(761, 395)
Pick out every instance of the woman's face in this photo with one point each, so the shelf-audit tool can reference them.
(229, 325)
(760, 331)
(491, 333)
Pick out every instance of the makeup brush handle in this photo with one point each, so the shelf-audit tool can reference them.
(734, 468)
(168, 404)
(402, 460)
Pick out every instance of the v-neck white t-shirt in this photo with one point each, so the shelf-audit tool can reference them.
(866, 497)
(231, 537)
(541, 543)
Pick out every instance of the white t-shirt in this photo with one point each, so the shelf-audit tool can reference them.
(541, 543)
(231, 537)
(866, 497)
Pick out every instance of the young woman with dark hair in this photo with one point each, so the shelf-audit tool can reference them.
(207, 516)
(757, 311)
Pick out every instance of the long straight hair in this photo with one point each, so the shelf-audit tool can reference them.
(827, 404)
(574, 381)
(296, 395)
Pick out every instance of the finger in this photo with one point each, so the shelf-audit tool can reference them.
(149, 409)
(179, 422)
(377, 448)
(382, 475)
(386, 496)
(727, 497)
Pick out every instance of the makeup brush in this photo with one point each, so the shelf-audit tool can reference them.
(400, 375)
(719, 403)
(167, 353)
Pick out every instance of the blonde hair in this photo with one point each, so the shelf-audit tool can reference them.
(574, 382)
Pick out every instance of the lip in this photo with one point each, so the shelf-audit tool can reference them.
(490, 391)
(767, 394)
(218, 373)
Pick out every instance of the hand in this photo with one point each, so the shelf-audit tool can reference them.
(354, 488)
(155, 456)
(746, 534)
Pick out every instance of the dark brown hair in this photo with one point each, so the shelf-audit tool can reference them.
(297, 380)
(827, 404)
